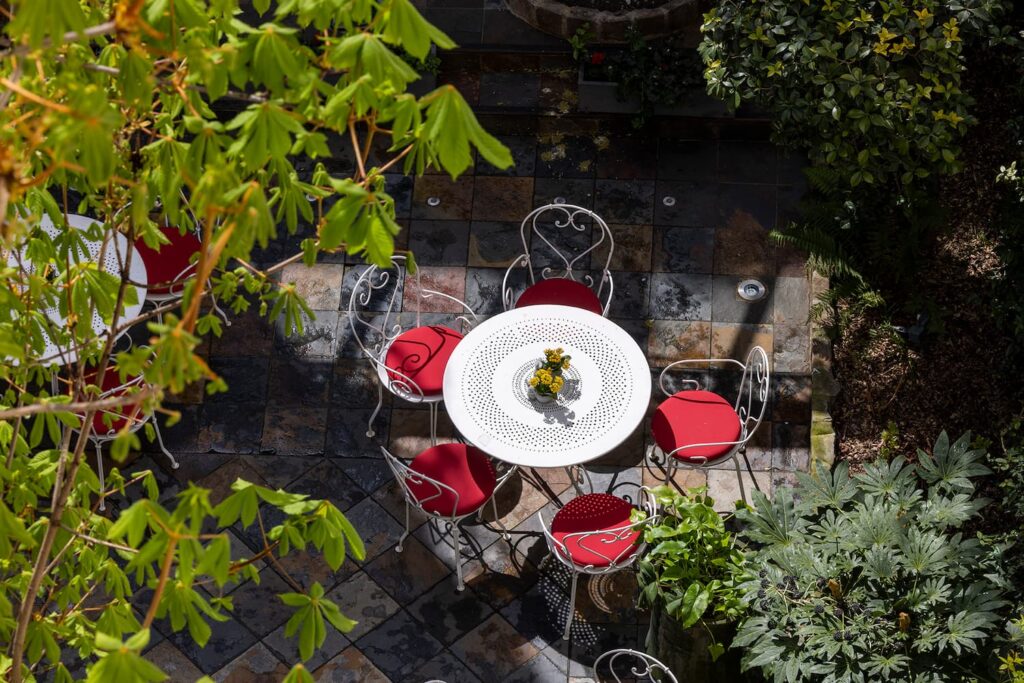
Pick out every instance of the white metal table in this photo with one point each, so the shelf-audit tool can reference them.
(606, 394)
(113, 249)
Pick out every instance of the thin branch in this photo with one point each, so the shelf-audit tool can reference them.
(165, 572)
(94, 406)
(97, 541)
(69, 37)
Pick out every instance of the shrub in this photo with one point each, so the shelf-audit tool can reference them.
(870, 577)
(870, 88)
(692, 566)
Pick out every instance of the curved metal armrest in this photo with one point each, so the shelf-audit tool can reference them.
(703, 460)
(690, 361)
(505, 477)
(506, 293)
(644, 666)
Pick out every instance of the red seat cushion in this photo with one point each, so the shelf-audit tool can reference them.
(693, 417)
(120, 416)
(596, 512)
(563, 292)
(421, 354)
(164, 267)
(464, 468)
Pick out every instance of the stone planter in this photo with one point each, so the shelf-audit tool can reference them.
(561, 18)
(685, 650)
(602, 97)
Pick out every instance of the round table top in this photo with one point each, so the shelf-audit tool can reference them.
(606, 393)
(114, 254)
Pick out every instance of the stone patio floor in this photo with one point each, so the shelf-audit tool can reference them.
(295, 415)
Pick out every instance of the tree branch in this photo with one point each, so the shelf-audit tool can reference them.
(105, 28)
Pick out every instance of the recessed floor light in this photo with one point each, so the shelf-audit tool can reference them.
(668, 201)
(433, 201)
(559, 200)
(751, 290)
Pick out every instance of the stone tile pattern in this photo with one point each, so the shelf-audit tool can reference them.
(691, 218)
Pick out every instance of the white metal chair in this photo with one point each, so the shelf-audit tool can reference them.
(561, 283)
(698, 429)
(449, 482)
(108, 423)
(595, 534)
(409, 362)
(644, 667)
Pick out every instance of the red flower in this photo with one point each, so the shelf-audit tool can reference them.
(597, 58)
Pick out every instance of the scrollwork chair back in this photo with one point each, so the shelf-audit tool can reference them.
(635, 666)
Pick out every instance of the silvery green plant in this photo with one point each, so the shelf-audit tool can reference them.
(871, 577)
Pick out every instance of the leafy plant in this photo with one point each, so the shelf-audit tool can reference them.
(580, 42)
(870, 89)
(871, 577)
(692, 567)
(137, 112)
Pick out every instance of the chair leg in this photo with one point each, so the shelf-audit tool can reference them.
(739, 478)
(459, 585)
(501, 525)
(750, 469)
(398, 548)
(160, 440)
(215, 307)
(433, 423)
(380, 402)
(572, 607)
(103, 480)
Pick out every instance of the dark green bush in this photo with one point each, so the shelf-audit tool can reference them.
(871, 577)
(869, 88)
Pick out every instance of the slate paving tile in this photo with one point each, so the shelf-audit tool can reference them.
(228, 640)
(575, 191)
(484, 288)
(319, 286)
(590, 640)
(369, 473)
(555, 246)
(495, 243)
(683, 250)
(456, 198)
(287, 649)
(463, 25)
(361, 599)
(728, 307)
(172, 662)
(792, 451)
(540, 668)
(791, 398)
(497, 198)
(680, 296)
(563, 156)
(503, 28)
(296, 418)
(673, 340)
(734, 340)
(445, 667)
(377, 529)
(509, 90)
(354, 384)
(503, 574)
(688, 159)
(399, 646)
(792, 349)
(624, 201)
(360, 332)
(408, 574)
(309, 566)
(539, 614)
(494, 649)
(400, 188)
(631, 296)
(447, 280)
(181, 437)
(256, 665)
(749, 202)
(609, 598)
(524, 152)
(792, 301)
(448, 614)
(325, 481)
(247, 335)
(693, 204)
(637, 328)
(350, 666)
(257, 605)
(745, 161)
(247, 379)
(632, 247)
(439, 243)
(627, 158)
(318, 339)
(346, 433)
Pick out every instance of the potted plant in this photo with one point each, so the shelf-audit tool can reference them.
(547, 379)
(690, 578)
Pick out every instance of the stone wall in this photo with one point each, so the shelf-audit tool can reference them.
(563, 20)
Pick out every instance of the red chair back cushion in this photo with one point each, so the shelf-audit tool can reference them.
(694, 417)
(603, 513)
(421, 354)
(562, 292)
(164, 267)
(464, 468)
(120, 416)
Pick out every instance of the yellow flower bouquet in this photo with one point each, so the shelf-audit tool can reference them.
(547, 379)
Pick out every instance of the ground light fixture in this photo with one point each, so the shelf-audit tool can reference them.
(433, 201)
(751, 290)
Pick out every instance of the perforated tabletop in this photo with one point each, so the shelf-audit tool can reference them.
(606, 394)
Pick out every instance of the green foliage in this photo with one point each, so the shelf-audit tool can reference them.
(691, 567)
(869, 89)
(871, 577)
(580, 42)
(141, 113)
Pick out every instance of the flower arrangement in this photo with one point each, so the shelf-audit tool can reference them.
(547, 380)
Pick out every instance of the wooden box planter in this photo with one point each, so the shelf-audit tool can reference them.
(601, 97)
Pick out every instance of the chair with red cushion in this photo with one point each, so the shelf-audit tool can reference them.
(108, 423)
(558, 281)
(448, 482)
(170, 266)
(409, 359)
(596, 533)
(698, 428)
